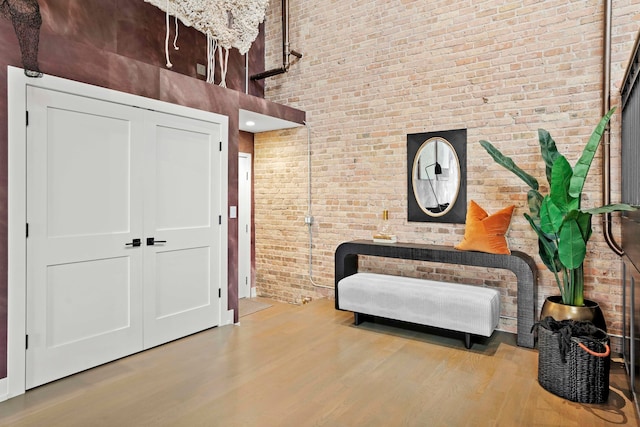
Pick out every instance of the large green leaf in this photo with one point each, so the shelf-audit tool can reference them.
(548, 150)
(611, 208)
(581, 169)
(560, 179)
(534, 200)
(551, 217)
(572, 249)
(550, 259)
(548, 253)
(509, 164)
(547, 247)
(583, 219)
(584, 222)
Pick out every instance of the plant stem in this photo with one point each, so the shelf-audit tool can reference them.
(567, 295)
(578, 286)
(555, 273)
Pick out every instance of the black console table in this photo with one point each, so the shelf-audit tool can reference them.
(346, 264)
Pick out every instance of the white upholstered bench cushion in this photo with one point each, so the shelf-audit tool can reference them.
(463, 308)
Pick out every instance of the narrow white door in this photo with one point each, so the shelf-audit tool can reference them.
(244, 225)
(183, 176)
(84, 210)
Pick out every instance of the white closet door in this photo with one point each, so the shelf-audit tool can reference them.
(182, 209)
(84, 205)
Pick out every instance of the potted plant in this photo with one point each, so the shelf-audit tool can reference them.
(562, 226)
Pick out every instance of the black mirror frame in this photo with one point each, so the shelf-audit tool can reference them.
(458, 140)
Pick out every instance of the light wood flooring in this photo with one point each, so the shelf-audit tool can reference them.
(309, 366)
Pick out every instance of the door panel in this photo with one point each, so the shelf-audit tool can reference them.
(191, 269)
(97, 290)
(183, 178)
(182, 197)
(81, 144)
(84, 203)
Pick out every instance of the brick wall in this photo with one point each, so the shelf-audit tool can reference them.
(373, 72)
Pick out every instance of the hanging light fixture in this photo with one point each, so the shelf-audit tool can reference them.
(226, 23)
(26, 19)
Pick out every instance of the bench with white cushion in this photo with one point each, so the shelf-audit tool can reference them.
(473, 310)
(520, 264)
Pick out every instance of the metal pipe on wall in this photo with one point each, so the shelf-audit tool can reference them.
(286, 48)
(309, 217)
(285, 34)
(606, 146)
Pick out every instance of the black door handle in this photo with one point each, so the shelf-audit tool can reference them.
(152, 241)
(134, 242)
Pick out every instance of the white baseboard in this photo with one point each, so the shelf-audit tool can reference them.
(227, 318)
(254, 293)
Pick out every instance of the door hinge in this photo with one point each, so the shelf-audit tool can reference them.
(27, 229)
(26, 339)
(219, 293)
(27, 118)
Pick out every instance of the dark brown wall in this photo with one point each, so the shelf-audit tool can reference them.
(136, 30)
(245, 142)
(119, 44)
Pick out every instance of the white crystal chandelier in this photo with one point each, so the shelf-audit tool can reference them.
(226, 23)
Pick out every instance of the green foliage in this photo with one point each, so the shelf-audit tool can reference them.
(581, 169)
(548, 150)
(508, 163)
(562, 227)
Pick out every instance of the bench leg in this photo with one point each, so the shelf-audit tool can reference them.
(358, 318)
(467, 340)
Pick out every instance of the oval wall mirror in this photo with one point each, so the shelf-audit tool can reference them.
(436, 177)
(436, 171)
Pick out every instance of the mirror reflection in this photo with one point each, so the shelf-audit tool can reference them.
(436, 176)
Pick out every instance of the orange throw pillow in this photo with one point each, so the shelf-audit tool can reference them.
(486, 233)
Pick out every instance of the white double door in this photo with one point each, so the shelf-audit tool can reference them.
(123, 247)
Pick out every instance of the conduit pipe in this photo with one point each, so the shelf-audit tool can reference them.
(606, 146)
(286, 48)
(309, 218)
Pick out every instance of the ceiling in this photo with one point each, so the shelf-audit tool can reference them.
(263, 123)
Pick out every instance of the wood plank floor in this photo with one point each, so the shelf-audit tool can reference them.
(309, 366)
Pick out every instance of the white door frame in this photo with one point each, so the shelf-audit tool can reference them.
(17, 190)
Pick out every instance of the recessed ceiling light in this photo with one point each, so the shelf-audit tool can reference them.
(250, 123)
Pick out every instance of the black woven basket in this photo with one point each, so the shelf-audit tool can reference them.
(583, 376)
